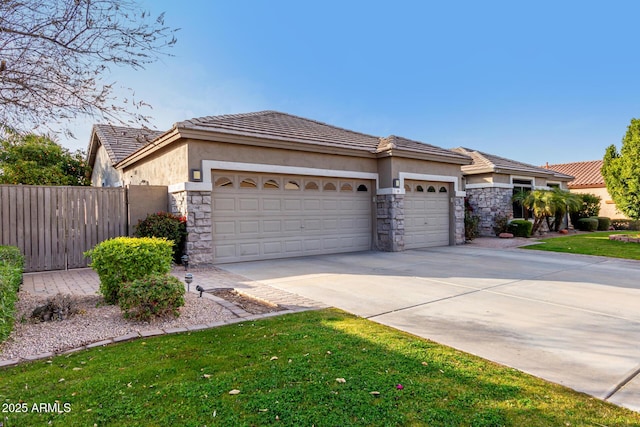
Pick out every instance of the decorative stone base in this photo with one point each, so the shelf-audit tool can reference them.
(487, 204)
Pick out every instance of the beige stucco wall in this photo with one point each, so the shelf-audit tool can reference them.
(229, 152)
(164, 167)
(426, 167)
(103, 173)
(607, 206)
(145, 200)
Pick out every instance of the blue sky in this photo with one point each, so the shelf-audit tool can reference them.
(544, 81)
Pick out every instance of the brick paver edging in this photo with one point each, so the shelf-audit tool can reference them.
(153, 333)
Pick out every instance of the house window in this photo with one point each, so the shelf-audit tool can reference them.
(525, 186)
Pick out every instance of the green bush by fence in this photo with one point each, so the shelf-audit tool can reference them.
(164, 224)
(520, 227)
(124, 259)
(11, 265)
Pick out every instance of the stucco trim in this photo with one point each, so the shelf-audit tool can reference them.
(190, 186)
(489, 185)
(390, 190)
(208, 165)
(429, 177)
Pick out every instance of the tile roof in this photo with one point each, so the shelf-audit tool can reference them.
(484, 162)
(587, 174)
(287, 127)
(120, 141)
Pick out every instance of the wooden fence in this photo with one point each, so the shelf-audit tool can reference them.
(54, 226)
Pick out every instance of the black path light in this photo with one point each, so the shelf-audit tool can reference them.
(200, 289)
(188, 278)
(185, 261)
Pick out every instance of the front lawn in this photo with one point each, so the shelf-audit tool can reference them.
(591, 244)
(325, 368)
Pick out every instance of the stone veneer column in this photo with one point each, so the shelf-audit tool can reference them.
(390, 222)
(196, 207)
(458, 215)
(489, 202)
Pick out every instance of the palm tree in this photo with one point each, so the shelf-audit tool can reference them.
(547, 204)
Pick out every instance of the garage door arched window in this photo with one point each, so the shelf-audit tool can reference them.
(270, 185)
(407, 188)
(431, 189)
(223, 182)
(311, 185)
(346, 187)
(329, 186)
(362, 187)
(419, 189)
(291, 185)
(442, 190)
(248, 183)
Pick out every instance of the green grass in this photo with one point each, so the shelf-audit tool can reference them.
(591, 244)
(185, 379)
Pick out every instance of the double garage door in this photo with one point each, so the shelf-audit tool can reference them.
(262, 216)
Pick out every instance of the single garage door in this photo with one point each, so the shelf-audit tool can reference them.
(426, 214)
(261, 216)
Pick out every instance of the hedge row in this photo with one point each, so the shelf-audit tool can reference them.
(626, 224)
(11, 267)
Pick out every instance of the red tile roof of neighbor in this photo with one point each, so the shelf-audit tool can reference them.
(586, 174)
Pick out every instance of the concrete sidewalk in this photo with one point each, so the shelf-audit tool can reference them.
(570, 319)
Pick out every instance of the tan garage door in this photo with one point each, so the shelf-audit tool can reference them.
(261, 216)
(426, 214)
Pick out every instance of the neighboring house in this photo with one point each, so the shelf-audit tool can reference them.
(272, 185)
(108, 146)
(588, 179)
(491, 181)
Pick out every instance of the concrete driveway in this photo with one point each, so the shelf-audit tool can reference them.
(570, 319)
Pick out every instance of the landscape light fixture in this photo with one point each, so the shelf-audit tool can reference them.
(188, 278)
(200, 289)
(185, 261)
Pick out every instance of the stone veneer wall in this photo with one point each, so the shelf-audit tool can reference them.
(487, 203)
(390, 222)
(196, 207)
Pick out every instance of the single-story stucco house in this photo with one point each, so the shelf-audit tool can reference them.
(588, 179)
(271, 185)
(491, 181)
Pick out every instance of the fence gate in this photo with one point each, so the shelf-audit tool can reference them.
(54, 226)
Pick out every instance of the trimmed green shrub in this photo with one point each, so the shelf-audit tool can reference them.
(151, 296)
(626, 224)
(124, 259)
(587, 224)
(520, 228)
(604, 223)
(169, 226)
(11, 266)
(590, 207)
